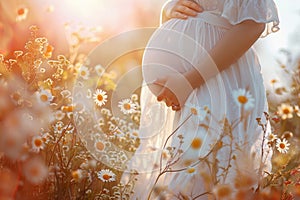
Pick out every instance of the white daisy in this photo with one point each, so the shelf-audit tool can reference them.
(127, 106)
(198, 111)
(285, 111)
(191, 170)
(77, 175)
(59, 115)
(243, 98)
(282, 145)
(59, 127)
(99, 146)
(272, 137)
(106, 175)
(21, 14)
(44, 96)
(37, 143)
(99, 70)
(100, 97)
(84, 72)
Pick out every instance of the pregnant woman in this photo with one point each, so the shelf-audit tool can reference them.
(204, 92)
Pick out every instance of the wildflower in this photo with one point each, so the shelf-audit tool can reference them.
(127, 106)
(37, 143)
(282, 145)
(272, 137)
(99, 70)
(196, 143)
(65, 93)
(134, 133)
(48, 51)
(287, 135)
(191, 170)
(35, 170)
(44, 96)
(21, 14)
(198, 111)
(243, 98)
(134, 97)
(84, 72)
(68, 109)
(70, 129)
(100, 97)
(89, 94)
(296, 110)
(59, 127)
(99, 146)
(106, 175)
(273, 81)
(285, 111)
(222, 191)
(77, 175)
(59, 115)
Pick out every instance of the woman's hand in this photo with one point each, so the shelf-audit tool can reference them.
(183, 9)
(175, 89)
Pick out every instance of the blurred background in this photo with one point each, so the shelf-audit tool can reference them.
(59, 19)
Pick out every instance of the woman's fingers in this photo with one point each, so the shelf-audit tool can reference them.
(184, 9)
(192, 5)
(169, 98)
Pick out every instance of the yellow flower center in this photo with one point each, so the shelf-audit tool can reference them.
(196, 143)
(127, 106)
(282, 145)
(38, 142)
(242, 99)
(106, 177)
(100, 97)
(44, 98)
(191, 170)
(194, 111)
(286, 111)
(100, 146)
(75, 175)
(83, 73)
(21, 11)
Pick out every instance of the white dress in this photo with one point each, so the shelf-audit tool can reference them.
(176, 46)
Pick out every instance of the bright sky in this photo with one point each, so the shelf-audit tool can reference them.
(287, 38)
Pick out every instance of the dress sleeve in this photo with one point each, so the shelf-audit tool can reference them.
(166, 9)
(262, 11)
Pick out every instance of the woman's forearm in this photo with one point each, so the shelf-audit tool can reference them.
(227, 51)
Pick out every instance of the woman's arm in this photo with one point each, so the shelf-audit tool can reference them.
(181, 9)
(227, 51)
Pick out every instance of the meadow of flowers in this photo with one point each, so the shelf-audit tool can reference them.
(60, 137)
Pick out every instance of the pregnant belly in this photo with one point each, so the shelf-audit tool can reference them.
(173, 48)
